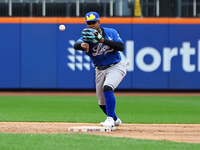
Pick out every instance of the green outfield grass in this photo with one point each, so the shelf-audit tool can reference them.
(137, 109)
(80, 141)
(131, 109)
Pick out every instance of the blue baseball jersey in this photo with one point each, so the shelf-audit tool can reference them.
(102, 54)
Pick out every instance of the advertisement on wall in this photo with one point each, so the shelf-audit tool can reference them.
(160, 57)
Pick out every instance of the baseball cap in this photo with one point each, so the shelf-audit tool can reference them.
(91, 16)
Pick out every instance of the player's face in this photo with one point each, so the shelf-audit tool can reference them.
(93, 24)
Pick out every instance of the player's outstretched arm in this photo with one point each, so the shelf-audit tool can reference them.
(81, 46)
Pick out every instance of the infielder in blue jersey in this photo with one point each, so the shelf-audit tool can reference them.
(103, 46)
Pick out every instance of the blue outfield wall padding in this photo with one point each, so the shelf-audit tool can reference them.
(39, 56)
(10, 51)
(149, 41)
(185, 70)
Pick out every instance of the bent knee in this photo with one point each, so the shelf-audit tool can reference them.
(107, 88)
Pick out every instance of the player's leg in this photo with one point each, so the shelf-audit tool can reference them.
(103, 108)
(110, 101)
(117, 121)
(100, 78)
(99, 88)
(114, 76)
(110, 107)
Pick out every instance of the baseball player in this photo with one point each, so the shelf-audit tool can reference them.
(102, 46)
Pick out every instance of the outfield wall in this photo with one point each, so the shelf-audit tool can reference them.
(164, 53)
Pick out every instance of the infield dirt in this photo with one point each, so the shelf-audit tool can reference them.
(171, 132)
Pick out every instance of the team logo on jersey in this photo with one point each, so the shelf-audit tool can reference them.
(99, 49)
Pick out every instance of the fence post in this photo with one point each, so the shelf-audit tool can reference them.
(10, 7)
(157, 8)
(77, 8)
(111, 8)
(194, 8)
(179, 8)
(43, 8)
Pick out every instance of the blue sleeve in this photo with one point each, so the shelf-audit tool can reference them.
(116, 36)
(80, 40)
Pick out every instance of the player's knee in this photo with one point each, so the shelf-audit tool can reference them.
(107, 88)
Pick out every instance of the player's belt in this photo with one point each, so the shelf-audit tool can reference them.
(105, 67)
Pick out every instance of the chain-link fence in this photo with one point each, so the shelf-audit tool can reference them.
(107, 8)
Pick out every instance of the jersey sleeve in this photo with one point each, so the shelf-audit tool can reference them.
(116, 36)
(80, 40)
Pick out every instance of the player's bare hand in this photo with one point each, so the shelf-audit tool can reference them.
(85, 46)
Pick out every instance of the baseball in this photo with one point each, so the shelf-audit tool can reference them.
(62, 27)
